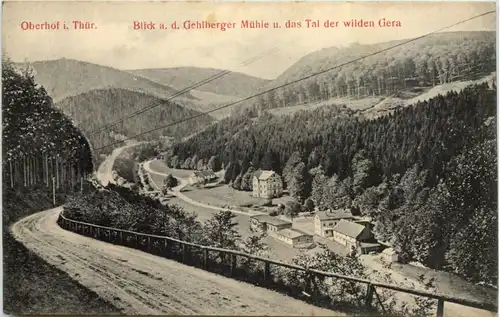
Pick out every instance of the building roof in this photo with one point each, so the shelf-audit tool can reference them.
(389, 251)
(204, 174)
(363, 222)
(337, 214)
(292, 233)
(271, 220)
(263, 175)
(369, 244)
(349, 228)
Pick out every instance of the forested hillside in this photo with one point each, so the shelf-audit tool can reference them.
(32, 126)
(404, 71)
(98, 108)
(34, 134)
(426, 173)
(66, 77)
(231, 84)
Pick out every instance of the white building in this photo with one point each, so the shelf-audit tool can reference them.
(389, 255)
(201, 177)
(268, 223)
(266, 184)
(325, 221)
(350, 234)
(294, 238)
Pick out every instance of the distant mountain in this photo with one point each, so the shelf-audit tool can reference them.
(231, 84)
(404, 71)
(100, 107)
(66, 77)
(461, 47)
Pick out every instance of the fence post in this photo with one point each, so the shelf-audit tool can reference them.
(184, 255)
(149, 244)
(205, 258)
(307, 281)
(267, 272)
(120, 237)
(369, 295)
(440, 308)
(166, 245)
(98, 233)
(233, 264)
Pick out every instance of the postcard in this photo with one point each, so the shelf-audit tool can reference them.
(249, 158)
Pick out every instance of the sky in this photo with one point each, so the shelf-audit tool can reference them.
(259, 52)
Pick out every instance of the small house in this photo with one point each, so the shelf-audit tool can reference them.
(198, 177)
(268, 223)
(369, 247)
(350, 234)
(325, 221)
(389, 255)
(266, 184)
(364, 221)
(294, 237)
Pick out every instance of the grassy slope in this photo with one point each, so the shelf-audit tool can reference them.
(231, 84)
(372, 107)
(30, 285)
(66, 77)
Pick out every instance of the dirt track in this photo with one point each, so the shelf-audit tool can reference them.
(141, 283)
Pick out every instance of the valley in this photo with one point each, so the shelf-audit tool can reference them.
(361, 179)
(405, 274)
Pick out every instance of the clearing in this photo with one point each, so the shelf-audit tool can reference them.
(372, 107)
(224, 195)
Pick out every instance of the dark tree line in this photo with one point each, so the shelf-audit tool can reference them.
(394, 168)
(98, 108)
(37, 138)
(428, 134)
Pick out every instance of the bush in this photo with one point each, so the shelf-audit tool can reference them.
(170, 181)
(267, 203)
(292, 208)
(126, 168)
(273, 213)
(308, 205)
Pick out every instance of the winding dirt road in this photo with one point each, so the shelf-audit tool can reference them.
(105, 170)
(176, 191)
(141, 283)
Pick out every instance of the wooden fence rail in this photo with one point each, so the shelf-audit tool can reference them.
(215, 260)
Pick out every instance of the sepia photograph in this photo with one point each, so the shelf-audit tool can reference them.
(249, 158)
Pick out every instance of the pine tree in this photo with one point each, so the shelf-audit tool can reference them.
(220, 231)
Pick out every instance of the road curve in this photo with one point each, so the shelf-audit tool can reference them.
(140, 283)
(105, 170)
(176, 191)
